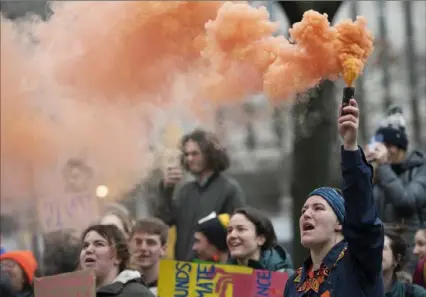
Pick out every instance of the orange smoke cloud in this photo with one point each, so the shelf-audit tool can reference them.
(138, 47)
(99, 79)
(240, 41)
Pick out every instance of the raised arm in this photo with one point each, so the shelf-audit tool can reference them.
(362, 228)
(165, 205)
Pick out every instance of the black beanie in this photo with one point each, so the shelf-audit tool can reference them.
(392, 128)
(214, 227)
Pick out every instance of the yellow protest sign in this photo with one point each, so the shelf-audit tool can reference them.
(185, 279)
(171, 242)
(171, 138)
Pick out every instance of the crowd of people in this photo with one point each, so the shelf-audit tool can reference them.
(365, 239)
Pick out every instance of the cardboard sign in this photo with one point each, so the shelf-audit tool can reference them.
(68, 211)
(184, 279)
(75, 284)
(66, 197)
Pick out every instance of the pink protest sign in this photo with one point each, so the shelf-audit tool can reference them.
(75, 284)
(260, 283)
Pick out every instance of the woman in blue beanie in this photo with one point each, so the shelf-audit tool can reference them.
(341, 229)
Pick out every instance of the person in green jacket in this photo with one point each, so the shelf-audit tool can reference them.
(394, 258)
(252, 242)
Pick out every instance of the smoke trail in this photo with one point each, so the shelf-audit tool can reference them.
(98, 79)
(94, 85)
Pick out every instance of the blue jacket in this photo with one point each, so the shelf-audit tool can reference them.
(353, 267)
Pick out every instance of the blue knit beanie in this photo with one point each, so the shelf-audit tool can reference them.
(334, 199)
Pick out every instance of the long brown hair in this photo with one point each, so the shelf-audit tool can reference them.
(215, 154)
(398, 245)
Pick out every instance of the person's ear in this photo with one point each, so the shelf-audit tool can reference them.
(261, 240)
(338, 227)
(163, 250)
(117, 261)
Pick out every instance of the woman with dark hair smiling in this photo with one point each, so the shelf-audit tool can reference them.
(104, 249)
(252, 242)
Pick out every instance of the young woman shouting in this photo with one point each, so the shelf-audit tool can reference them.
(342, 230)
(104, 249)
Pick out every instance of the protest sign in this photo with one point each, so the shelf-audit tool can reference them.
(66, 197)
(172, 135)
(75, 284)
(67, 211)
(184, 279)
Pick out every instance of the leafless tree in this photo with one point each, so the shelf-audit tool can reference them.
(311, 169)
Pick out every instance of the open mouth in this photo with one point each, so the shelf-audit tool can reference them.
(89, 261)
(308, 227)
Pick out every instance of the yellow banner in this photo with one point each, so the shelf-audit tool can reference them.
(185, 279)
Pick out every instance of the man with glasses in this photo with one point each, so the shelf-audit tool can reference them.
(205, 158)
